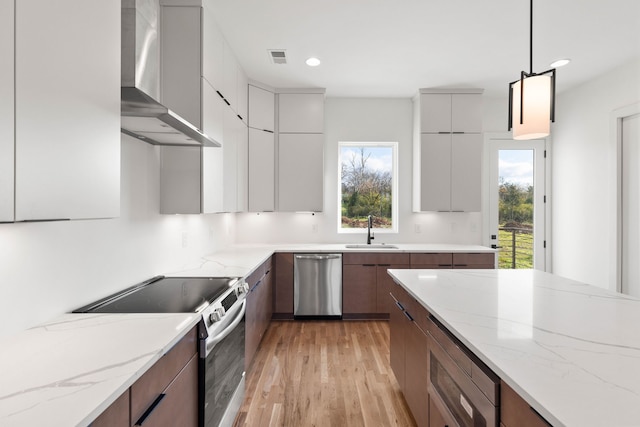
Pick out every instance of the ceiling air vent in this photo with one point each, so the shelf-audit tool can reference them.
(278, 56)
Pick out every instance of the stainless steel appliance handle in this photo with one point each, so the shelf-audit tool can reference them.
(318, 257)
(213, 341)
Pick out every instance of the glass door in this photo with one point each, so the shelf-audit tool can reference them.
(517, 202)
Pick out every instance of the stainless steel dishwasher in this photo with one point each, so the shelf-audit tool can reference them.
(317, 285)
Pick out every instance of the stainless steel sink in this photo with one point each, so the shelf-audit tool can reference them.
(372, 246)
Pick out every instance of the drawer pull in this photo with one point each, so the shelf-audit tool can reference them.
(408, 316)
(399, 305)
(151, 408)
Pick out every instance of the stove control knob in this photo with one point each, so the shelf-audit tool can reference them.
(217, 314)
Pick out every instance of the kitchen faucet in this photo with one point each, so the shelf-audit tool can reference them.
(369, 225)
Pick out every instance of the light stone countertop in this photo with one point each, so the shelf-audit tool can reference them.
(241, 260)
(571, 350)
(67, 371)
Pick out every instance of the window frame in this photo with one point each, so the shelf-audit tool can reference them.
(394, 186)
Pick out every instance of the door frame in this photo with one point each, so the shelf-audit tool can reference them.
(486, 180)
(615, 193)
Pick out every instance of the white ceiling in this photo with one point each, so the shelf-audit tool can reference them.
(391, 48)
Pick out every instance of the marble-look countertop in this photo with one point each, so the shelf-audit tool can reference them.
(241, 260)
(67, 371)
(571, 350)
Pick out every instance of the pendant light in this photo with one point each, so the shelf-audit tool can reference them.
(532, 98)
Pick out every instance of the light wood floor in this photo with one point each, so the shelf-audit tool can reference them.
(323, 373)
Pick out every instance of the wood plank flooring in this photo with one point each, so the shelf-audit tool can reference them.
(323, 373)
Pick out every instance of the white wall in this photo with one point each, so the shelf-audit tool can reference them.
(362, 119)
(582, 176)
(50, 268)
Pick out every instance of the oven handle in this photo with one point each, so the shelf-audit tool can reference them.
(213, 341)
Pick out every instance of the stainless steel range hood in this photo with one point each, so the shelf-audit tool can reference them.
(143, 115)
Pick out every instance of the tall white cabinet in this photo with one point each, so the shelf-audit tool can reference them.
(448, 150)
(202, 81)
(6, 110)
(261, 149)
(301, 151)
(67, 109)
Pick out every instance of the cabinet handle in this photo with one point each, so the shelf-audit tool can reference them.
(270, 131)
(240, 117)
(151, 408)
(443, 133)
(227, 102)
(221, 95)
(444, 265)
(460, 265)
(458, 133)
(384, 265)
(400, 305)
(368, 265)
(407, 315)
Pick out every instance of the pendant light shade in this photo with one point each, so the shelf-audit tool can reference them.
(536, 110)
(532, 99)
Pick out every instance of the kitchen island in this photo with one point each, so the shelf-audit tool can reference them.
(570, 350)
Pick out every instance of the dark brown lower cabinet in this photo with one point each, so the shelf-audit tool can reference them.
(409, 350)
(283, 286)
(515, 412)
(259, 309)
(436, 419)
(165, 395)
(359, 294)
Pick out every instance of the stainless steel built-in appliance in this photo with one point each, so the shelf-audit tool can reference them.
(461, 388)
(221, 303)
(317, 285)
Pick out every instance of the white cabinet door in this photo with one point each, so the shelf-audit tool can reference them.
(300, 172)
(261, 171)
(230, 160)
(181, 62)
(243, 167)
(67, 109)
(243, 94)
(435, 170)
(212, 112)
(180, 181)
(301, 113)
(435, 112)
(212, 50)
(230, 83)
(466, 174)
(466, 113)
(7, 139)
(261, 109)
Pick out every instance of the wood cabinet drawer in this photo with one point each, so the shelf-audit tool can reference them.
(433, 260)
(349, 258)
(473, 260)
(283, 285)
(514, 411)
(150, 385)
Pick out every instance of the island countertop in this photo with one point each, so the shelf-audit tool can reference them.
(571, 350)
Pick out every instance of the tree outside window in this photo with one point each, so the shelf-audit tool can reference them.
(367, 185)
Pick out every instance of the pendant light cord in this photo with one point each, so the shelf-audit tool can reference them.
(531, 37)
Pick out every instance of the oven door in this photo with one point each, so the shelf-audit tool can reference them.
(453, 393)
(222, 368)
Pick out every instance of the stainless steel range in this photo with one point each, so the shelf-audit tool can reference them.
(221, 303)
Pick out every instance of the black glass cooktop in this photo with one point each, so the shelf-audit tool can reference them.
(162, 295)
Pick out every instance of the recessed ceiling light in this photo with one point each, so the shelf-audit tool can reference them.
(560, 63)
(313, 62)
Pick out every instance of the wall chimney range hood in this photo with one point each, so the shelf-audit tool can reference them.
(143, 116)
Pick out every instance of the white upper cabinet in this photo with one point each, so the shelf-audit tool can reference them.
(243, 95)
(261, 108)
(301, 112)
(448, 153)
(300, 172)
(67, 109)
(261, 176)
(230, 82)
(212, 54)
(466, 172)
(6, 110)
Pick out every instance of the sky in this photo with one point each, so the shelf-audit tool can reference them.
(516, 166)
(381, 157)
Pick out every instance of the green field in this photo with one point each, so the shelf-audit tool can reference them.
(523, 249)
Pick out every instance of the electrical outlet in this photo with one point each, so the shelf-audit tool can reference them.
(417, 228)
